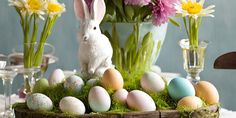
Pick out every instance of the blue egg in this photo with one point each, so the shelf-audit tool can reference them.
(179, 88)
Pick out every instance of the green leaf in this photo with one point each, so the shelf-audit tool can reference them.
(129, 44)
(174, 22)
(147, 38)
(115, 36)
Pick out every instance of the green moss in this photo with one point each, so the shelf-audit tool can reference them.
(20, 106)
(163, 100)
(132, 80)
(119, 108)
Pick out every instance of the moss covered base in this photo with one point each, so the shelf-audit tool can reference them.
(207, 112)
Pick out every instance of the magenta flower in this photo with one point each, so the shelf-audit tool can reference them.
(162, 10)
(137, 2)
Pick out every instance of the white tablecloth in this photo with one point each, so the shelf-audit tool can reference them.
(224, 113)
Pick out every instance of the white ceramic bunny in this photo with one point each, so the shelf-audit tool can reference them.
(95, 50)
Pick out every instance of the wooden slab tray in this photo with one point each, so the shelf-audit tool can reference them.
(207, 112)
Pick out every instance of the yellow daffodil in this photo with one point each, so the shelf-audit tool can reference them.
(53, 7)
(19, 5)
(194, 9)
(35, 7)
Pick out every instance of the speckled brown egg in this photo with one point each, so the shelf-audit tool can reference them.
(112, 79)
(207, 92)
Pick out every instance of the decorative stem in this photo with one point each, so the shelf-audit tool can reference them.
(7, 83)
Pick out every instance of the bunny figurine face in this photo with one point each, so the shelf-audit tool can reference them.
(91, 28)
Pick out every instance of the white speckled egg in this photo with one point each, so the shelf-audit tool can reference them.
(152, 82)
(120, 96)
(56, 77)
(99, 100)
(140, 101)
(74, 83)
(38, 101)
(92, 82)
(72, 105)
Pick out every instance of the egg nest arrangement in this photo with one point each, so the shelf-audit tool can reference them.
(75, 96)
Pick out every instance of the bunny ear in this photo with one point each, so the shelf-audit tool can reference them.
(81, 9)
(98, 10)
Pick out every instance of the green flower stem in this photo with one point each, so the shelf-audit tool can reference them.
(26, 38)
(33, 39)
(44, 35)
(192, 30)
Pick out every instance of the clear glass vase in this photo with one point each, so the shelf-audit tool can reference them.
(193, 59)
(38, 57)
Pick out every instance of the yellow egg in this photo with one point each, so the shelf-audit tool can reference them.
(189, 103)
(112, 79)
(207, 92)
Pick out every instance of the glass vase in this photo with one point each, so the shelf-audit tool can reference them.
(29, 63)
(136, 47)
(193, 59)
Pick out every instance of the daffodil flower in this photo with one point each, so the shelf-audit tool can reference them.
(53, 7)
(194, 9)
(19, 5)
(36, 7)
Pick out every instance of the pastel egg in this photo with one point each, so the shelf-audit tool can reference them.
(179, 88)
(140, 101)
(99, 100)
(74, 83)
(120, 96)
(112, 79)
(72, 105)
(38, 101)
(152, 82)
(56, 77)
(92, 82)
(190, 103)
(207, 92)
(40, 85)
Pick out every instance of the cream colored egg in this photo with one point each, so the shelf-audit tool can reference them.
(152, 82)
(72, 105)
(189, 103)
(112, 79)
(56, 77)
(120, 96)
(207, 92)
(99, 100)
(140, 101)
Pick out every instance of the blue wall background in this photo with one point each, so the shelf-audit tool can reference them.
(220, 31)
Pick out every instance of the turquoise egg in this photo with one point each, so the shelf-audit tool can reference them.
(179, 88)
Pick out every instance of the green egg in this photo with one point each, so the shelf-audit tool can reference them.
(41, 85)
